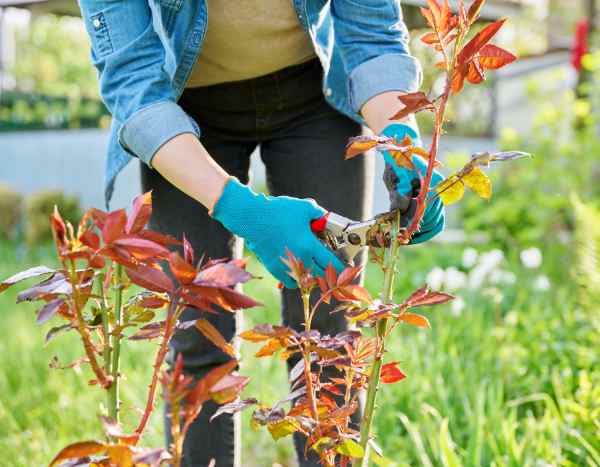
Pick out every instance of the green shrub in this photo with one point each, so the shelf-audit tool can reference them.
(40, 205)
(532, 200)
(11, 212)
(587, 249)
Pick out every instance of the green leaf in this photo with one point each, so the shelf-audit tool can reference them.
(449, 457)
(381, 461)
(323, 442)
(283, 428)
(350, 448)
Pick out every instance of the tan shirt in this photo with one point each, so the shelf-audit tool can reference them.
(249, 38)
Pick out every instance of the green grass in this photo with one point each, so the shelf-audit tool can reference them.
(515, 383)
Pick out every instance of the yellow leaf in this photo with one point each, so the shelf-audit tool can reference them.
(451, 190)
(253, 336)
(283, 428)
(360, 145)
(213, 335)
(120, 455)
(78, 450)
(269, 349)
(415, 319)
(421, 152)
(403, 159)
(325, 441)
(364, 315)
(254, 424)
(479, 182)
(350, 448)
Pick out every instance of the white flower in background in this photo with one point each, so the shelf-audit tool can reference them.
(491, 259)
(457, 306)
(531, 258)
(435, 278)
(509, 278)
(488, 262)
(476, 277)
(499, 277)
(542, 283)
(455, 279)
(469, 257)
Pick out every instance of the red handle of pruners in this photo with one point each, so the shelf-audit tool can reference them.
(319, 225)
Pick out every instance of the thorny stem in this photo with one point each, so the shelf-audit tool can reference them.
(113, 391)
(170, 322)
(107, 349)
(440, 113)
(348, 393)
(391, 254)
(422, 198)
(176, 434)
(387, 297)
(83, 332)
(396, 321)
(310, 391)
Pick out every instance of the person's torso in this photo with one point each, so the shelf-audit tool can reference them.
(249, 38)
(181, 26)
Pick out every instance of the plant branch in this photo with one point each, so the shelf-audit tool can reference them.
(170, 322)
(387, 297)
(106, 330)
(176, 433)
(113, 391)
(86, 339)
(310, 390)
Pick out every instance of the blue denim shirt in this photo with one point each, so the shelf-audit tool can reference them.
(144, 51)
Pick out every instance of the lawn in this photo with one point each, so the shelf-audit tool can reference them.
(509, 375)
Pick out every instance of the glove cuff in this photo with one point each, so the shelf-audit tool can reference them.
(234, 194)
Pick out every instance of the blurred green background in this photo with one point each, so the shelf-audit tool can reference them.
(509, 374)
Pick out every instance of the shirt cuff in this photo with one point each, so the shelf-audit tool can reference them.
(389, 72)
(147, 130)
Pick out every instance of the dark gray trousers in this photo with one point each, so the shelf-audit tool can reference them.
(302, 141)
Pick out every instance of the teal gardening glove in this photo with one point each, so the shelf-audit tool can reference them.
(270, 224)
(401, 182)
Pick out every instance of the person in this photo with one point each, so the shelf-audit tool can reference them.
(195, 86)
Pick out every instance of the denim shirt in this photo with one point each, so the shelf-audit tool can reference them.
(144, 51)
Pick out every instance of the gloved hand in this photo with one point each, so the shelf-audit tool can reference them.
(401, 181)
(270, 224)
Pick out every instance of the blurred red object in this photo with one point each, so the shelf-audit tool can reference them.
(580, 46)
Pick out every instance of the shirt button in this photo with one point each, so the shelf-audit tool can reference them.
(328, 92)
(97, 23)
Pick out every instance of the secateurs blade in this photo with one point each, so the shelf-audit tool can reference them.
(347, 236)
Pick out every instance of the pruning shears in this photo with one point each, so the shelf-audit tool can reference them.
(348, 236)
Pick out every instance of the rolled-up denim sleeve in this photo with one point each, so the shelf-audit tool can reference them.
(373, 40)
(149, 128)
(134, 85)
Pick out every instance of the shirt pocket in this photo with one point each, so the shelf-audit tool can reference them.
(100, 34)
(168, 12)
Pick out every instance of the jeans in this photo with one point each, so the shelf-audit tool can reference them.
(302, 141)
